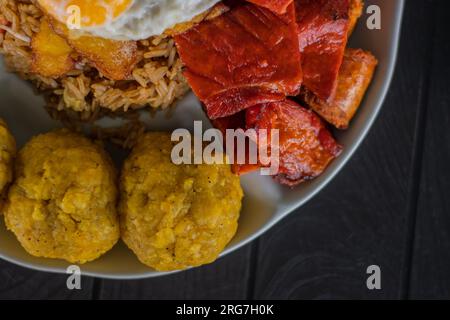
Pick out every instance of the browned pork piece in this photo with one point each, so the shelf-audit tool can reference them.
(354, 77)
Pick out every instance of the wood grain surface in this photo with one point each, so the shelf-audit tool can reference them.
(390, 207)
(430, 276)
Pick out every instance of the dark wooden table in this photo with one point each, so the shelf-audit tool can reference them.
(389, 207)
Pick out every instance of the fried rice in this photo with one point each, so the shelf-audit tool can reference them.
(84, 94)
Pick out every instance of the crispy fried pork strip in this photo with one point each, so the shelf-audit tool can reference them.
(354, 78)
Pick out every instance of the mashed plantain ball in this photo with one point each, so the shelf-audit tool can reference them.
(7, 154)
(62, 203)
(176, 216)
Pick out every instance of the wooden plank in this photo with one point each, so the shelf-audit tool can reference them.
(362, 218)
(431, 256)
(225, 279)
(21, 283)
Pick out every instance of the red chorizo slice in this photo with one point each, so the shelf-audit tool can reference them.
(235, 121)
(246, 56)
(323, 27)
(306, 146)
(277, 6)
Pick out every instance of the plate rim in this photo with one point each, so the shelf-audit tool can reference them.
(393, 55)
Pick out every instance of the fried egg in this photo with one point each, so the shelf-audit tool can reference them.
(124, 19)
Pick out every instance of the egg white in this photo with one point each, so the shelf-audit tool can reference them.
(146, 18)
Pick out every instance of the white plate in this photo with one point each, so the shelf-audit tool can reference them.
(265, 201)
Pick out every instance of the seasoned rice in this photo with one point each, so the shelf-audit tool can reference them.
(125, 136)
(84, 94)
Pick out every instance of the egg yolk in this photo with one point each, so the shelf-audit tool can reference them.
(85, 13)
